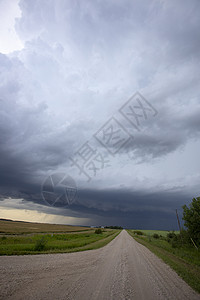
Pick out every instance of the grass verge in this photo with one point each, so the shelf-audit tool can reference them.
(159, 232)
(55, 243)
(185, 261)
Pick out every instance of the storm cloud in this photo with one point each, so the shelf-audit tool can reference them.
(79, 64)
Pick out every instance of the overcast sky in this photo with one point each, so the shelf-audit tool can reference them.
(67, 70)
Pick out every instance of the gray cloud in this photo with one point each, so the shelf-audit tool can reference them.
(80, 63)
(114, 206)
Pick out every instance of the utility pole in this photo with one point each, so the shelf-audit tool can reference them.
(179, 225)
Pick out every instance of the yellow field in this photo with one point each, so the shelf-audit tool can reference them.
(18, 227)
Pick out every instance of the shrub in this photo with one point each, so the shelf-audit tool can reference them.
(185, 237)
(40, 244)
(174, 244)
(98, 231)
(149, 237)
(138, 232)
(155, 236)
(191, 216)
(171, 235)
(178, 240)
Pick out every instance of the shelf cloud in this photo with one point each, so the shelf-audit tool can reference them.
(61, 99)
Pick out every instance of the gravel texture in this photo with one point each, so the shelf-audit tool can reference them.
(124, 269)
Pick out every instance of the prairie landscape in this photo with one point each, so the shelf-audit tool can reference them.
(99, 150)
(18, 238)
(123, 269)
(105, 264)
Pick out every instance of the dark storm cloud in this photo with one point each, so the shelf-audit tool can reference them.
(80, 63)
(28, 143)
(169, 133)
(123, 207)
(150, 209)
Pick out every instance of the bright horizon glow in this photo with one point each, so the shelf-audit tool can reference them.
(39, 217)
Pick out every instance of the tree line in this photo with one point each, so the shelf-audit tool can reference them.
(191, 217)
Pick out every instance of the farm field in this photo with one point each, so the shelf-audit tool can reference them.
(55, 243)
(19, 227)
(33, 238)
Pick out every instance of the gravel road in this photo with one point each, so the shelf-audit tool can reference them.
(122, 270)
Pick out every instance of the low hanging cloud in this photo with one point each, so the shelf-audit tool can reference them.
(80, 63)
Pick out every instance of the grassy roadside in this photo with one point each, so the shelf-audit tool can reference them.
(55, 243)
(185, 261)
(159, 232)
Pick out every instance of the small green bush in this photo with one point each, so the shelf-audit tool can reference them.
(98, 231)
(174, 244)
(138, 232)
(171, 235)
(40, 244)
(155, 236)
(191, 216)
(179, 239)
(149, 237)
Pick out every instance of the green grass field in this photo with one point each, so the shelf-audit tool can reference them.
(159, 232)
(184, 260)
(19, 238)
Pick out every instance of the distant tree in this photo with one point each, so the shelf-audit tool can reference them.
(138, 232)
(114, 227)
(191, 216)
(171, 235)
(98, 231)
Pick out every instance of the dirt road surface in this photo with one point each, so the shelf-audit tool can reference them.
(122, 270)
